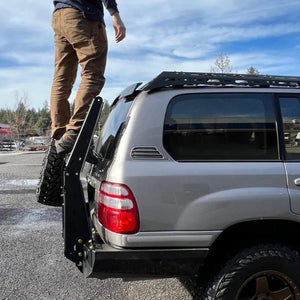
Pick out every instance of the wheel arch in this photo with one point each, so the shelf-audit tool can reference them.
(250, 233)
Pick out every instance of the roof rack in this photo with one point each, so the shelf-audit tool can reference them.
(191, 79)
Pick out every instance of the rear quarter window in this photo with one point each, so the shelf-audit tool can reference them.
(221, 127)
(290, 112)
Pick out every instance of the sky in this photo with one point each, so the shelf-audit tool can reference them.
(162, 35)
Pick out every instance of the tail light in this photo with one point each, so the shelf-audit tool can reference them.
(117, 208)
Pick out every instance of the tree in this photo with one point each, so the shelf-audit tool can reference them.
(222, 65)
(17, 120)
(5, 115)
(252, 71)
(26, 122)
(44, 121)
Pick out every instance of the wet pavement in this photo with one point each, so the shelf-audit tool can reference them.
(32, 262)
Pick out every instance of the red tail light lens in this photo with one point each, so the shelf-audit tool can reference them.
(117, 208)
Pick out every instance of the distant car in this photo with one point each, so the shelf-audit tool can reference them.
(8, 145)
(35, 147)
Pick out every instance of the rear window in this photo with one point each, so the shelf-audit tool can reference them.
(112, 128)
(290, 111)
(221, 127)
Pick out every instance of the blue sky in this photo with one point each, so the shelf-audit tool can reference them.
(171, 35)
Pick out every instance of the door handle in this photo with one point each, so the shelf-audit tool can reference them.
(297, 181)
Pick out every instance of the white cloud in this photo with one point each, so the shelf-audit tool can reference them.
(266, 63)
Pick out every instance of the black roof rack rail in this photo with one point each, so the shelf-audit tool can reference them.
(194, 79)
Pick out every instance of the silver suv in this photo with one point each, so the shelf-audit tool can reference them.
(200, 176)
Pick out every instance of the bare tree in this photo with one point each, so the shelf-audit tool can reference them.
(252, 71)
(222, 65)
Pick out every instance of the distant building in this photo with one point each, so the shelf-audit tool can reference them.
(5, 130)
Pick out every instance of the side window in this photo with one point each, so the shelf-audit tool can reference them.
(221, 127)
(290, 111)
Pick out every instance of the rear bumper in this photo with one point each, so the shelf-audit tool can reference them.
(105, 261)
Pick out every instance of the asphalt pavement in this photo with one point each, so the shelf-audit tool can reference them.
(32, 264)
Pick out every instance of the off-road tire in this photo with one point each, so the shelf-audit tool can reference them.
(257, 273)
(50, 187)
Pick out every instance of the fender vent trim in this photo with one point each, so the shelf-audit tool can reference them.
(145, 152)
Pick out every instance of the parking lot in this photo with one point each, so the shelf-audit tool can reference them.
(32, 262)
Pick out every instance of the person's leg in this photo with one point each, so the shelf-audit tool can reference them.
(93, 64)
(65, 71)
(89, 40)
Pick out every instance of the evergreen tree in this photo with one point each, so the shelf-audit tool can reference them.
(43, 121)
(252, 71)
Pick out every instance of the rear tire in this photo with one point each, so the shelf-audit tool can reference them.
(50, 187)
(262, 272)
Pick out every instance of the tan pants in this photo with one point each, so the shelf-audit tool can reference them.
(77, 41)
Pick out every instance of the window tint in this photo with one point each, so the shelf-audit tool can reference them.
(220, 127)
(111, 129)
(290, 111)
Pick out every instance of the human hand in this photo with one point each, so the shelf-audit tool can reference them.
(120, 30)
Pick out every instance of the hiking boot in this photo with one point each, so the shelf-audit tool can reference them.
(66, 142)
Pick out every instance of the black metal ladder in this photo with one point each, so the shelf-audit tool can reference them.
(77, 226)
